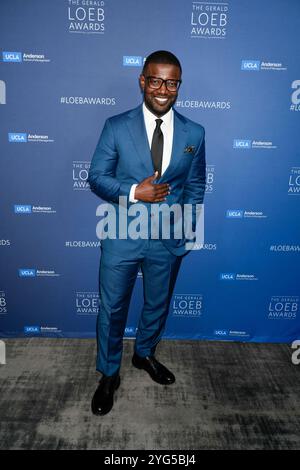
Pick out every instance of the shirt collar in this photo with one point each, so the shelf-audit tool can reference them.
(150, 117)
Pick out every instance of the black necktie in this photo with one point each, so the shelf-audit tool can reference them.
(157, 146)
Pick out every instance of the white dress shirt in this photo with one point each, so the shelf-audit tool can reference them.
(167, 128)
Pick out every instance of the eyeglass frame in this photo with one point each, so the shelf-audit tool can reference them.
(164, 81)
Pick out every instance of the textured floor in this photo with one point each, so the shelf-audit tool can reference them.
(226, 396)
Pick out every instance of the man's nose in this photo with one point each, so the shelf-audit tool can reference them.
(163, 89)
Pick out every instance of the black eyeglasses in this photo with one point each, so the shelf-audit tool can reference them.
(156, 83)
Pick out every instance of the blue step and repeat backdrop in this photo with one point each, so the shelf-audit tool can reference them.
(66, 66)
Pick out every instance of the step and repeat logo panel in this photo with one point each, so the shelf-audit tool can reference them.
(60, 88)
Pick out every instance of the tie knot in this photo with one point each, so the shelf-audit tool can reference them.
(158, 123)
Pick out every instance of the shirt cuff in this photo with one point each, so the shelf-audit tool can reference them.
(131, 194)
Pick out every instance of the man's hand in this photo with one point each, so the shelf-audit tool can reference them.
(148, 192)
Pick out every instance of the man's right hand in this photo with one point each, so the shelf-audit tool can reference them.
(148, 192)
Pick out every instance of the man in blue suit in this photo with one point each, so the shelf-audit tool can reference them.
(152, 156)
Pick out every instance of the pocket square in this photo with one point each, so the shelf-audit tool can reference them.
(189, 149)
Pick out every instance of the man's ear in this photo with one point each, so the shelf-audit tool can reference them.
(142, 82)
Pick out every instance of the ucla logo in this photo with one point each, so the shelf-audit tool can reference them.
(130, 330)
(12, 56)
(221, 333)
(234, 214)
(27, 272)
(32, 329)
(241, 144)
(251, 65)
(17, 137)
(227, 276)
(132, 61)
(19, 209)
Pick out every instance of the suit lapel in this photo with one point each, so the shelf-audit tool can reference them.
(137, 130)
(179, 142)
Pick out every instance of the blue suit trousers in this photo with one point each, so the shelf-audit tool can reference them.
(117, 278)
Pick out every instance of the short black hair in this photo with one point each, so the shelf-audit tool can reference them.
(161, 57)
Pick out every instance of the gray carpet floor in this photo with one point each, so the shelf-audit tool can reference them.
(226, 396)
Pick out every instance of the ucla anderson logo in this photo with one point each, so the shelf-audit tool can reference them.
(234, 214)
(17, 137)
(227, 276)
(32, 329)
(12, 56)
(22, 209)
(130, 331)
(242, 144)
(132, 61)
(28, 272)
(251, 65)
(221, 332)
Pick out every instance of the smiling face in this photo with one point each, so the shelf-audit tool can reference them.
(160, 101)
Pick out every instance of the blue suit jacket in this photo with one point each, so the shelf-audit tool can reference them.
(122, 158)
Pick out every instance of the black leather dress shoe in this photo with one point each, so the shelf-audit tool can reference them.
(155, 369)
(103, 398)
